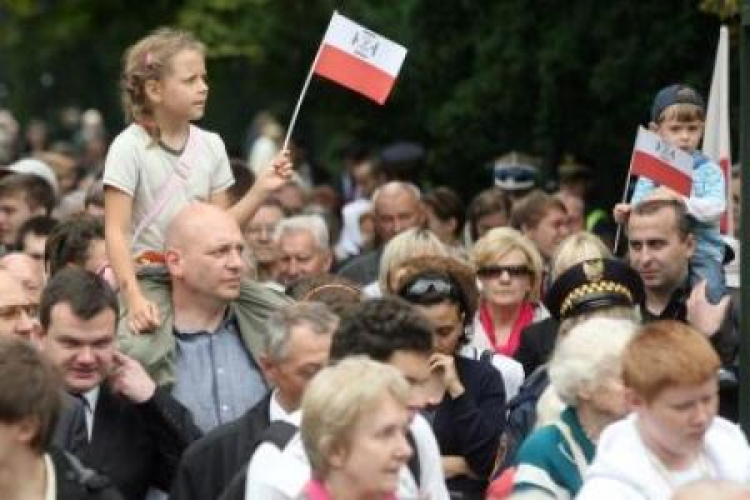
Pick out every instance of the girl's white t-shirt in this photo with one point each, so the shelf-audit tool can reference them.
(141, 168)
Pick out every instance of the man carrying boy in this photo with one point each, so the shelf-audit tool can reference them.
(678, 116)
(673, 436)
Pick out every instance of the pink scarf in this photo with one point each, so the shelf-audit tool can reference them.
(525, 317)
(316, 490)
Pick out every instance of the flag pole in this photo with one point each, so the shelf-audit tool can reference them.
(625, 197)
(297, 107)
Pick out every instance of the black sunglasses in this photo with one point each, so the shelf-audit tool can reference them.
(491, 272)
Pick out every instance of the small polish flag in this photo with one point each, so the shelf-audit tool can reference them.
(663, 163)
(359, 59)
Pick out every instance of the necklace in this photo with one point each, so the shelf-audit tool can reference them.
(698, 469)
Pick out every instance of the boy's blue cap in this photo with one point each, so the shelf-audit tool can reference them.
(675, 94)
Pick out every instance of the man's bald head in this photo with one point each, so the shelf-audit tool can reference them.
(195, 222)
(205, 256)
(397, 207)
(28, 271)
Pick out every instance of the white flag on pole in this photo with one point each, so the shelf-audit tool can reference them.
(716, 140)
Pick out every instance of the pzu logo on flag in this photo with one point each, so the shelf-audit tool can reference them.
(365, 44)
(666, 151)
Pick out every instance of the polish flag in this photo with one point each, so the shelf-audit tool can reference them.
(716, 143)
(359, 59)
(663, 163)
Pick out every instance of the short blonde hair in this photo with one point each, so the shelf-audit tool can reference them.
(333, 405)
(582, 358)
(498, 242)
(576, 248)
(411, 243)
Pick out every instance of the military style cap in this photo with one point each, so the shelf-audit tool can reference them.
(515, 171)
(594, 284)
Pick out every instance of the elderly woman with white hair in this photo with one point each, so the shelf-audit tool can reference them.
(355, 434)
(585, 371)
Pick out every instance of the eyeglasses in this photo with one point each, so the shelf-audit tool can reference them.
(432, 286)
(257, 229)
(13, 312)
(491, 272)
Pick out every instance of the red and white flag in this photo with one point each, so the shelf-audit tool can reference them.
(716, 141)
(663, 163)
(359, 59)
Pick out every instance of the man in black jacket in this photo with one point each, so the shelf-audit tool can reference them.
(132, 431)
(296, 346)
(660, 245)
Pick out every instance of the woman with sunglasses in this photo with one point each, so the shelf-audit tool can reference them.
(468, 407)
(509, 269)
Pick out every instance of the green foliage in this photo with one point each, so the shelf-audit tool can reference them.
(482, 77)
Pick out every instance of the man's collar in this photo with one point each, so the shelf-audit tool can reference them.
(92, 398)
(230, 317)
(276, 411)
(676, 299)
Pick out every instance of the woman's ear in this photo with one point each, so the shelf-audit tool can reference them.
(585, 392)
(336, 453)
(27, 429)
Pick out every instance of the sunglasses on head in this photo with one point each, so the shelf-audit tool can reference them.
(434, 286)
(497, 271)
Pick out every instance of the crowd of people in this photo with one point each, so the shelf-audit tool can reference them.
(174, 324)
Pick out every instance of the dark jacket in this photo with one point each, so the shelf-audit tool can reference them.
(209, 464)
(537, 343)
(470, 425)
(726, 339)
(363, 269)
(725, 342)
(138, 445)
(75, 482)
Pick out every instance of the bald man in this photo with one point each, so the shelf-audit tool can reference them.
(208, 343)
(397, 206)
(28, 271)
(17, 313)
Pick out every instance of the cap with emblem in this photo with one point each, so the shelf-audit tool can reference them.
(594, 284)
(515, 171)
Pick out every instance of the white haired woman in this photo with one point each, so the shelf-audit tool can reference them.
(355, 433)
(585, 371)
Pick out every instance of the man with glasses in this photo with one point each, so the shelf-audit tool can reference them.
(259, 237)
(17, 313)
